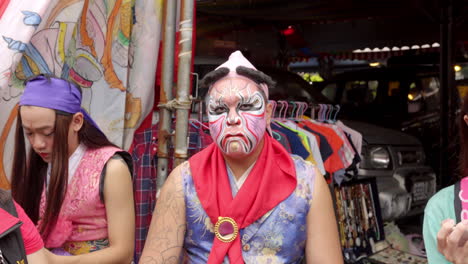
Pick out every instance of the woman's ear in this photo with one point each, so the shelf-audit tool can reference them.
(77, 122)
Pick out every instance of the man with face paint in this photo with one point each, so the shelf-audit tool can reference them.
(237, 114)
(243, 199)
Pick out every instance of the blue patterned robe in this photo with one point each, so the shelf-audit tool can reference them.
(277, 237)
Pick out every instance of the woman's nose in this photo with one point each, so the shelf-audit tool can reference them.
(38, 142)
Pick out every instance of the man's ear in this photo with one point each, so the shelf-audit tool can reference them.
(268, 113)
(77, 122)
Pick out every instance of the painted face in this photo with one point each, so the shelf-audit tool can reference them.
(39, 125)
(237, 115)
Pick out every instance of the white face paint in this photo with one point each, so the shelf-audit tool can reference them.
(237, 115)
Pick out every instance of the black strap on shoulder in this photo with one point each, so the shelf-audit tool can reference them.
(12, 245)
(457, 203)
(6, 203)
(127, 158)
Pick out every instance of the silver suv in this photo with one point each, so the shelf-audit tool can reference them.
(396, 159)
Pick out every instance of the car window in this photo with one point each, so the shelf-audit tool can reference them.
(330, 91)
(423, 95)
(462, 87)
(289, 86)
(298, 85)
(393, 88)
(360, 93)
(415, 102)
(430, 86)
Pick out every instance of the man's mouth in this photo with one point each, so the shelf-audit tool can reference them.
(238, 136)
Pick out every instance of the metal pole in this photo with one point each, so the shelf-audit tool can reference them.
(183, 81)
(167, 82)
(446, 85)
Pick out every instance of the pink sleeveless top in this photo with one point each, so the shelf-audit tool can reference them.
(83, 215)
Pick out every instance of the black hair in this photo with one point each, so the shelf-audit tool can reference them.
(256, 76)
(213, 77)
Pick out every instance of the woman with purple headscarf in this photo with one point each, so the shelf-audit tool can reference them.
(75, 185)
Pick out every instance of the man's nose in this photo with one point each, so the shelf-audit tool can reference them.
(233, 119)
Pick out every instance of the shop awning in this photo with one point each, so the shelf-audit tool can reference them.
(373, 54)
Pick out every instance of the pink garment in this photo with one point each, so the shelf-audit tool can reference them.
(83, 215)
(464, 198)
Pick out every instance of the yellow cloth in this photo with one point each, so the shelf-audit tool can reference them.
(84, 247)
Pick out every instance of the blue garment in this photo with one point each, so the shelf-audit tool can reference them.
(339, 176)
(277, 237)
(294, 140)
(282, 139)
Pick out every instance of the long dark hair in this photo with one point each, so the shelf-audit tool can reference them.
(28, 181)
(463, 138)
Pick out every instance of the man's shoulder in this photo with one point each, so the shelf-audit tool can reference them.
(184, 167)
(302, 164)
(297, 159)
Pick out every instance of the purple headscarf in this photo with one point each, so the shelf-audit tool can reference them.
(54, 93)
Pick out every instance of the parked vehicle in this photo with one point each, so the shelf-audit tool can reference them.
(406, 98)
(392, 97)
(395, 158)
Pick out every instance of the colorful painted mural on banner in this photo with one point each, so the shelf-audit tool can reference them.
(108, 47)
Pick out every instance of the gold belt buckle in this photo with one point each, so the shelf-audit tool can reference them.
(226, 229)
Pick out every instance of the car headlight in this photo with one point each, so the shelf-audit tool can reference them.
(411, 157)
(376, 157)
(379, 157)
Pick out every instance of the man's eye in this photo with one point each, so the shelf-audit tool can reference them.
(245, 107)
(49, 134)
(219, 110)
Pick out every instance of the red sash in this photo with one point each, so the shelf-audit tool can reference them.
(271, 181)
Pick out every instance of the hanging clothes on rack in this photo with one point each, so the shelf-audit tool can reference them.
(344, 156)
(335, 161)
(302, 142)
(293, 139)
(199, 136)
(356, 137)
(282, 139)
(144, 153)
(307, 140)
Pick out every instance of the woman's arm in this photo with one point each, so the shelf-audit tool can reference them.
(166, 234)
(323, 244)
(118, 199)
(38, 257)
